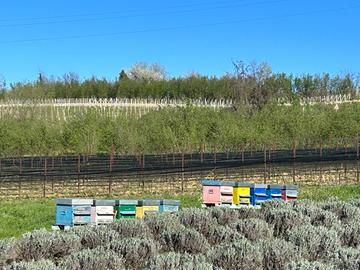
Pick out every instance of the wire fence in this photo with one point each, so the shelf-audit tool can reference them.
(171, 173)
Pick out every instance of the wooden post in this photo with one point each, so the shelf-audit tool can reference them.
(78, 174)
(111, 160)
(45, 178)
(182, 169)
(20, 173)
(265, 169)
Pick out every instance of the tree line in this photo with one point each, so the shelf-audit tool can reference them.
(184, 130)
(249, 83)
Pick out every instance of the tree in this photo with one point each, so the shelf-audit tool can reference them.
(144, 71)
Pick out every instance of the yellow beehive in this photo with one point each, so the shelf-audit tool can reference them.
(241, 194)
(139, 212)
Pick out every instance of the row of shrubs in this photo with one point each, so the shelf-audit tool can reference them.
(300, 235)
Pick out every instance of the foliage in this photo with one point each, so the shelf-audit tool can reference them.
(33, 265)
(179, 261)
(239, 255)
(196, 218)
(314, 243)
(93, 259)
(254, 229)
(42, 244)
(306, 265)
(277, 253)
(136, 252)
(184, 239)
(92, 237)
(347, 258)
(130, 228)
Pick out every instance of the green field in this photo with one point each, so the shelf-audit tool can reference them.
(23, 215)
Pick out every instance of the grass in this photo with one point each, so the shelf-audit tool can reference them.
(23, 215)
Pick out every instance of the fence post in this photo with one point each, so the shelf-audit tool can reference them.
(111, 160)
(20, 173)
(182, 170)
(265, 168)
(45, 178)
(78, 173)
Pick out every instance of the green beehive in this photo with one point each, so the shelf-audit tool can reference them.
(125, 208)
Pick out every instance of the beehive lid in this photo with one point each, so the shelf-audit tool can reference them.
(210, 182)
(104, 202)
(127, 202)
(274, 186)
(170, 202)
(242, 184)
(291, 187)
(260, 186)
(228, 183)
(149, 202)
(73, 201)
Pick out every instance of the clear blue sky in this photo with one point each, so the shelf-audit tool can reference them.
(102, 37)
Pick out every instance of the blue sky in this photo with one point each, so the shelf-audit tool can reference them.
(100, 38)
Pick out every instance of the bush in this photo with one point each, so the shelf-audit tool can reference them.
(41, 244)
(346, 212)
(254, 229)
(33, 265)
(222, 234)
(131, 228)
(92, 237)
(239, 255)
(244, 213)
(136, 252)
(347, 258)
(314, 243)
(350, 235)
(284, 220)
(93, 259)
(306, 265)
(180, 261)
(159, 224)
(277, 254)
(184, 240)
(355, 202)
(225, 216)
(325, 218)
(199, 219)
(7, 250)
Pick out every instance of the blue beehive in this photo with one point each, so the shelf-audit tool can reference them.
(72, 212)
(258, 193)
(274, 192)
(169, 206)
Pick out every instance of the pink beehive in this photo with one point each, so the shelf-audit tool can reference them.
(226, 192)
(211, 192)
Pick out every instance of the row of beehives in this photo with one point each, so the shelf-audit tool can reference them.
(238, 194)
(73, 212)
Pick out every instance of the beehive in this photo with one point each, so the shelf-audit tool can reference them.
(102, 211)
(241, 195)
(73, 212)
(125, 209)
(226, 192)
(147, 207)
(274, 192)
(290, 192)
(169, 206)
(211, 192)
(258, 194)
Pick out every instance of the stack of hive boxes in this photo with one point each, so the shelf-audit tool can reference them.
(73, 212)
(102, 212)
(241, 194)
(76, 212)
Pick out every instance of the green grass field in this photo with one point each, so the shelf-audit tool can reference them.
(23, 215)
